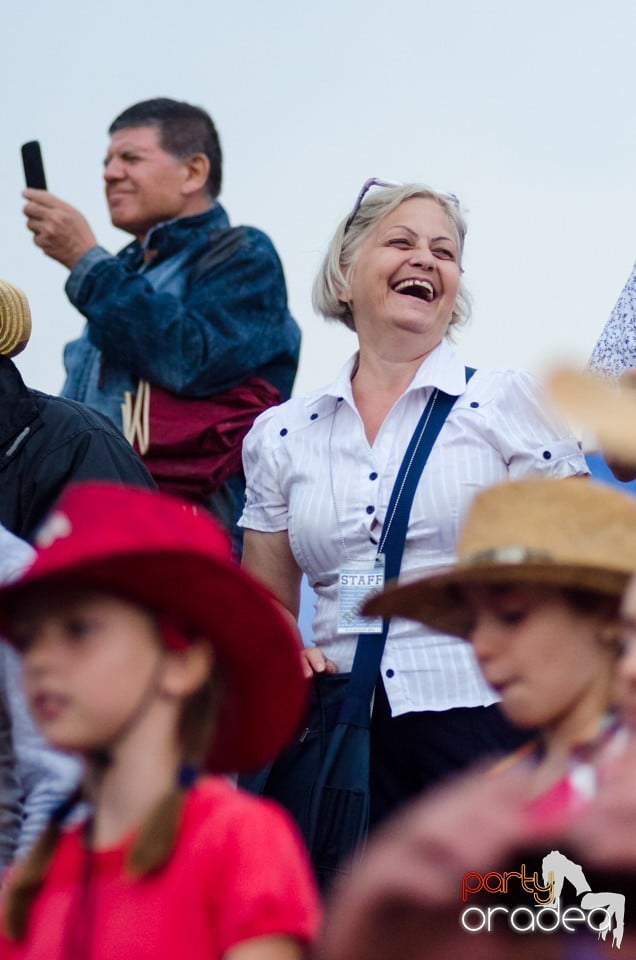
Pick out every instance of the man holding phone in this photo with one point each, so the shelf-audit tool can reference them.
(191, 305)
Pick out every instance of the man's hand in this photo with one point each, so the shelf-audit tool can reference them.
(57, 227)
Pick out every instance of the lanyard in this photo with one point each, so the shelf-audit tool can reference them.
(370, 646)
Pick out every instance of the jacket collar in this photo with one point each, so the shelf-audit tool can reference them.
(17, 407)
(172, 235)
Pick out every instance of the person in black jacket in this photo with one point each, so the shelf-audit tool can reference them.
(47, 442)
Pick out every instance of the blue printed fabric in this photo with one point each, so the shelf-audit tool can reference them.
(615, 349)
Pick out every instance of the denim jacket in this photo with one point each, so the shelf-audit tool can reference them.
(208, 310)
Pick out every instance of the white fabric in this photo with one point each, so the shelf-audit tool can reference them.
(496, 430)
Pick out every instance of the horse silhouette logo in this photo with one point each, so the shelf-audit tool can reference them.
(557, 868)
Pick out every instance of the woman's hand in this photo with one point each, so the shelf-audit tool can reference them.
(314, 661)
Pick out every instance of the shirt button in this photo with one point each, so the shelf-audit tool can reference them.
(390, 673)
(373, 476)
(370, 509)
(547, 455)
(314, 416)
(284, 432)
(474, 404)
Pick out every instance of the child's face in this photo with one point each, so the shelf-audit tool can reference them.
(88, 659)
(542, 657)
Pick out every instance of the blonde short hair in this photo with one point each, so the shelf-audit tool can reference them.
(345, 244)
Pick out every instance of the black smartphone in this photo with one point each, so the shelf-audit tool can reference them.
(33, 165)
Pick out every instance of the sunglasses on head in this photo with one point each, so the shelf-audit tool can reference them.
(375, 182)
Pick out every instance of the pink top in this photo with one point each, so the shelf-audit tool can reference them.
(238, 871)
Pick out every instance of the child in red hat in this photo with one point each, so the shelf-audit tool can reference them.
(148, 652)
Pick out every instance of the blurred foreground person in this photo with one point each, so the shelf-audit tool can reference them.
(403, 896)
(536, 589)
(147, 652)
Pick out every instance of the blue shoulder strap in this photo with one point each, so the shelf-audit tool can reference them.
(370, 646)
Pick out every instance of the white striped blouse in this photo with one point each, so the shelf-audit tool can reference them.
(310, 471)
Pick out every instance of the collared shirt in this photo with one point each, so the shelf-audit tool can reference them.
(311, 471)
(615, 349)
(206, 312)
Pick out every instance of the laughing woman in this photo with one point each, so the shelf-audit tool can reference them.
(320, 470)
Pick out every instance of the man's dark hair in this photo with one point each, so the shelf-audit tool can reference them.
(183, 131)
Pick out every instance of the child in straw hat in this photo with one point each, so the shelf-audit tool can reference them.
(149, 653)
(536, 588)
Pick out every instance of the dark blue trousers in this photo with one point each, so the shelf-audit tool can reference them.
(415, 751)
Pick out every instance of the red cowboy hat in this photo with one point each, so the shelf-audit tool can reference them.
(171, 557)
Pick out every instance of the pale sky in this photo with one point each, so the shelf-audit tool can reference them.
(525, 111)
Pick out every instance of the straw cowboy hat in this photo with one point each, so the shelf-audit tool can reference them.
(171, 557)
(15, 320)
(565, 533)
(607, 408)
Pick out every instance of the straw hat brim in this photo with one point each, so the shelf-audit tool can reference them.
(437, 600)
